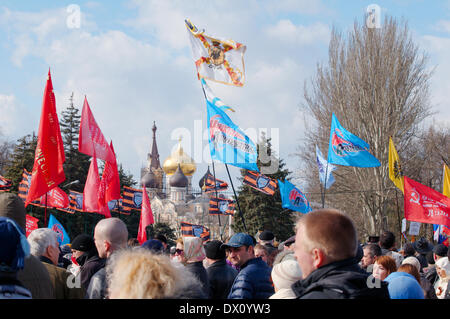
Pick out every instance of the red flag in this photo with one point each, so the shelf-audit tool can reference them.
(49, 156)
(91, 140)
(110, 184)
(425, 205)
(146, 217)
(31, 224)
(90, 193)
(56, 197)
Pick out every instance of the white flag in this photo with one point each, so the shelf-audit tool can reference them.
(217, 59)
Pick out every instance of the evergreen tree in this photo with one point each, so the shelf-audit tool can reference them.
(77, 164)
(161, 229)
(22, 157)
(261, 211)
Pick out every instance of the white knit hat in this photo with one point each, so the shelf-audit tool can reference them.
(412, 261)
(286, 273)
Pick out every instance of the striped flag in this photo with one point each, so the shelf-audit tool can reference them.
(212, 185)
(131, 199)
(192, 230)
(5, 184)
(221, 206)
(260, 182)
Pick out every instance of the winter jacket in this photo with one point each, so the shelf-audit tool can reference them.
(340, 280)
(62, 284)
(221, 277)
(93, 264)
(35, 277)
(98, 285)
(197, 269)
(253, 281)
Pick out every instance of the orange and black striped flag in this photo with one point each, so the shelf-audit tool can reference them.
(24, 186)
(5, 184)
(221, 206)
(210, 182)
(131, 199)
(75, 203)
(260, 182)
(192, 230)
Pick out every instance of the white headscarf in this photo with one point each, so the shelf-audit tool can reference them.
(193, 249)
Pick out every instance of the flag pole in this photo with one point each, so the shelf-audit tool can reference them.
(45, 211)
(217, 196)
(214, 172)
(235, 196)
(398, 217)
(325, 186)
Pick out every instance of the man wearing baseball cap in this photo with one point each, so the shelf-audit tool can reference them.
(253, 280)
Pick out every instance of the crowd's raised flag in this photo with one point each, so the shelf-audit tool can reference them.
(57, 227)
(146, 217)
(395, 169)
(347, 149)
(212, 184)
(55, 198)
(131, 199)
(325, 169)
(91, 140)
(109, 187)
(221, 206)
(446, 182)
(49, 156)
(24, 186)
(213, 99)
(5, 184)
(31, 223)
(217, 59)
(441, 234)
(292, 198)
(260, 182)
(193, 230)
(425, 205)
(90, 194)
(227, 142)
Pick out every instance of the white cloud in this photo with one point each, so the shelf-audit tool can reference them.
(287, 32)
(443, 26)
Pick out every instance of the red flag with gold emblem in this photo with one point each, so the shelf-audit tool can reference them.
(49, 155)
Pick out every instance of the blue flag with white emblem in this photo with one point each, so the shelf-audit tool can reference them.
(292, 198)
(58, 228)
(347, 149)
(227, 142)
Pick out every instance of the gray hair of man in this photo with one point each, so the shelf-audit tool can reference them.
(40, 239)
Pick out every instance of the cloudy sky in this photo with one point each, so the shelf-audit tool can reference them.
(132, 59)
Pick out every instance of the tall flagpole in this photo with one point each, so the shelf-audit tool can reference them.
(325, 185)
(217, 196)
(235, 196)
(214, 172)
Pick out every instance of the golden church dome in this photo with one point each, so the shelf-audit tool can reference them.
(187, 164)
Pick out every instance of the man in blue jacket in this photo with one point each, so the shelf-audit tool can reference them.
(253, 280)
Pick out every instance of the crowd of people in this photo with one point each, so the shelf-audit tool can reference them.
(323, 260)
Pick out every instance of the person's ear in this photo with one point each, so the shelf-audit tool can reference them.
(251, 250)
(318, 257)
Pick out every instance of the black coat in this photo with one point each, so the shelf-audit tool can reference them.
(340, 280)
(221, 277)
(199, 271)
(89, 268)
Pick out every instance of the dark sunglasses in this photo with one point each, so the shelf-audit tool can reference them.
(178, 251)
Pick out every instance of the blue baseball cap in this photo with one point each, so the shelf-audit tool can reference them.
(238, 240)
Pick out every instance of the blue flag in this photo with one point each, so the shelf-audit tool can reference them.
(227, 142)
(56, 226)
(347, 149)
(324, 168)
(292, 198)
